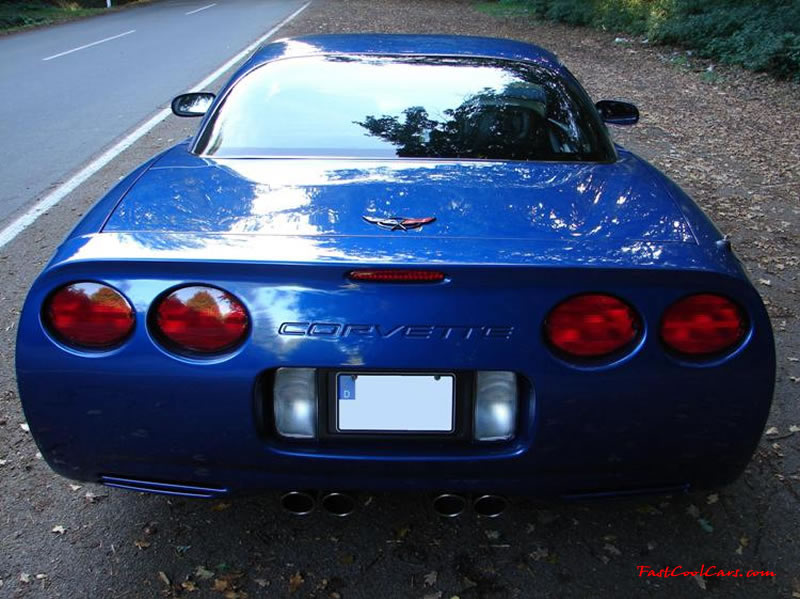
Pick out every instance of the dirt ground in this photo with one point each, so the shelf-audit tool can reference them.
(731, 139)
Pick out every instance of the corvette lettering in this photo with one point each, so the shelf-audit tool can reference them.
(416, 331)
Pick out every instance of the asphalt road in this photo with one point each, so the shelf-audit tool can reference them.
(78, 540)
(69, 91)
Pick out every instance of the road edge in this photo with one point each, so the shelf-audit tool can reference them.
(27, 218)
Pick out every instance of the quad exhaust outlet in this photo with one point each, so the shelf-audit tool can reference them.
(299, 503)
(302, 503)
(452, 505)
(341, 505)
(449, 505)
(338, 504)
(489, 506)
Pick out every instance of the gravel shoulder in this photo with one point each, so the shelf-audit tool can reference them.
(732, 143)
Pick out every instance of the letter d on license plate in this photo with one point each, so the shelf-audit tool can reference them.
(395, 402)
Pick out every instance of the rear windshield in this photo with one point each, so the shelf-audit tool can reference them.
(405, 107)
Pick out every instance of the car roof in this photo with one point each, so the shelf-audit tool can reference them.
(372, 43)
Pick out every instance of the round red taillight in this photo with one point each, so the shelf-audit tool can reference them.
(89, 315)
(702, 324)
(201, 319)
(591, 325)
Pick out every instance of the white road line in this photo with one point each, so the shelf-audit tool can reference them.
(26, 219)
(108, 39)
(191, 12)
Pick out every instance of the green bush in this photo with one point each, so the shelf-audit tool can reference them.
(17, 14)
(760, 35)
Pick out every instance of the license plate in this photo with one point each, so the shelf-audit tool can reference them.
(395, 402)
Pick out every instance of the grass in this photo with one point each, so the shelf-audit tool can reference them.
(507, 10)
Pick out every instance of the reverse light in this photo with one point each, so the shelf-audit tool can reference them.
(396, 275)
(295, 402)
(495, 406)
(591, 325)
(89, 315)
(702, 324)
(201, 319)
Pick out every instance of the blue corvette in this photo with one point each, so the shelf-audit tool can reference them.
(397, 262)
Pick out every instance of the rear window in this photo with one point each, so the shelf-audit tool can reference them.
(405, 107)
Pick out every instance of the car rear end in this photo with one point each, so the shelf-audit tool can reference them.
(497, 384)
(460, 285)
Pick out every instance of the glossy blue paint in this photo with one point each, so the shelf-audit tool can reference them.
(471, 199)
(513, 238)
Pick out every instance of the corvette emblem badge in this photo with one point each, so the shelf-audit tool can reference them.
(395, 223)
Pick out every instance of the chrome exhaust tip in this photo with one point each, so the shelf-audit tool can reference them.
(449, 505)
(339, 504)
(298, 503)
(489, 506)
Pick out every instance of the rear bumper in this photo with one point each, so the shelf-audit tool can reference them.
(646, 421)
(597, 434)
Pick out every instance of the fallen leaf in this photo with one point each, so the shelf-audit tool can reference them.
(539, 553)
(163, 578)
(141, 544)
(202, 573)
(743, 542)
(94, 498)
(295, 582)
(693, 511)
(430, 578)
(700, 581)
(712, 499)
(649, 510)
(262, 582)
(234, 594)
(189, 585)
(705, 525)
(221, 506)
(768, 283)
(24, 577)
(220, 585)
(794, 429)
(59, 530)
(75, 487)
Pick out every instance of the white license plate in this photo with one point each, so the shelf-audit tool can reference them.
(395, 402)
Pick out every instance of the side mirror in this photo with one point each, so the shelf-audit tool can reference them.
(614, 112)
(194, 104)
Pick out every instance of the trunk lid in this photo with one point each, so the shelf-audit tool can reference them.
(183, 193)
